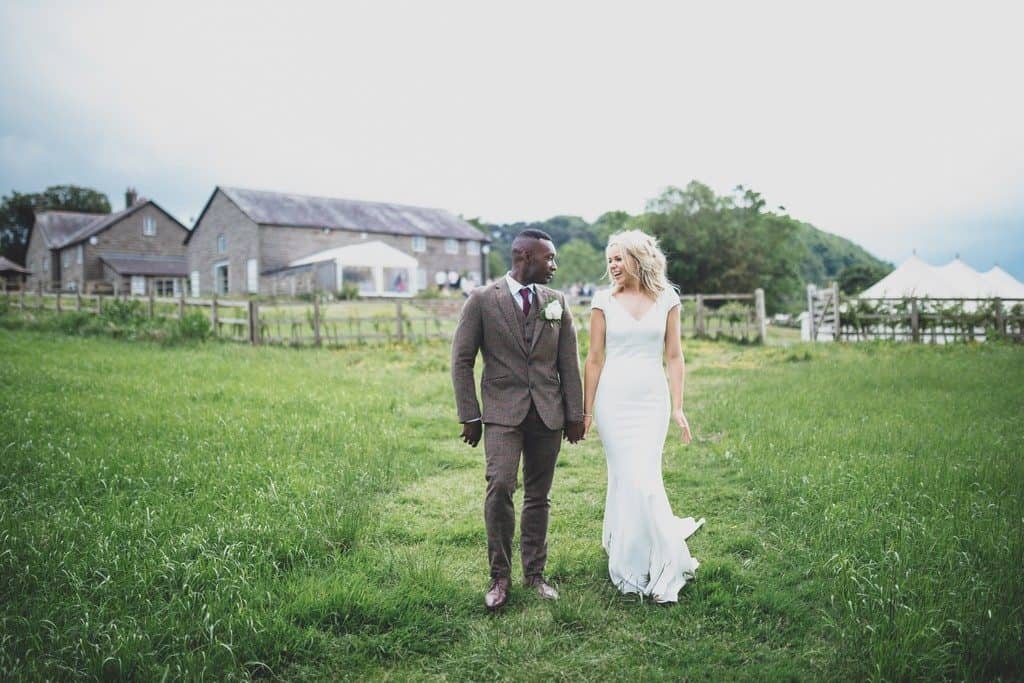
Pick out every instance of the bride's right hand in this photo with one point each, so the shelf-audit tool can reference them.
(587, 422)
(684, 425)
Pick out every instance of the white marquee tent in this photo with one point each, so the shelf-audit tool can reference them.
(955, 280)
(374, 267)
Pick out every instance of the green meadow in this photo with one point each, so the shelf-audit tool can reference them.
(219, 511)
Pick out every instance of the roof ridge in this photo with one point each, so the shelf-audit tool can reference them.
(334, 199)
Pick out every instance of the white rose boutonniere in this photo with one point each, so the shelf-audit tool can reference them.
(552, 312)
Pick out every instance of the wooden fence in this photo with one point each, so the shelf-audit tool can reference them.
(288, 322)
(926, 320)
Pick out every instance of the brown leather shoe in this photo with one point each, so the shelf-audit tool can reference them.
(497, 595)
(544, 589)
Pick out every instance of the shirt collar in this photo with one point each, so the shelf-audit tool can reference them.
(514, 286)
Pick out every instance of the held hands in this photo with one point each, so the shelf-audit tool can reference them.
(471, 432)
(684, 426)
(575, 431)
(588, 422)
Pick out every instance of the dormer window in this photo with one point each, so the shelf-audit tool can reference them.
(222, 243)
(148, 226)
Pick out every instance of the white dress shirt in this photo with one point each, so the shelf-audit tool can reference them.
(515, 287)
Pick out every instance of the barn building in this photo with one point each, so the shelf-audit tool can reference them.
(252, 241)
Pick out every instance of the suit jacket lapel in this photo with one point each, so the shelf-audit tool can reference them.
(505, 303)
(539, 323)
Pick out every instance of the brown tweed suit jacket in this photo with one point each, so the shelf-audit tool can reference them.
(545, 371)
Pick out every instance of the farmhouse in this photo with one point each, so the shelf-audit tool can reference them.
(134, 249)
(251, 241)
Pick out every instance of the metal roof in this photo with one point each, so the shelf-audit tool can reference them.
(7, 265)
(133, 264)
(280, 209)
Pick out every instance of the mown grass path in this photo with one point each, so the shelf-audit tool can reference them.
(228, 512)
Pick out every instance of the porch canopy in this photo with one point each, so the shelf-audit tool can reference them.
(376, 268)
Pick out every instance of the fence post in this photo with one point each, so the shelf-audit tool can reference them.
(213, 315)
(400, 329)
(78, 297)
(21, 299)
(812, 295)
(57, 306)
(700, 316)
(181, 304)
(762, 320)
(915, 323)
(99, 303)
(39, 294)
(1000, 317)
(836, 335)
(152, 293)
(254, 323)
(316, 320)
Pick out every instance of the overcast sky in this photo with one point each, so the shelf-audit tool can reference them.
(898, 125)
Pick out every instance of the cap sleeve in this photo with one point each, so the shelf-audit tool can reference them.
(600, 299)
(669, 298)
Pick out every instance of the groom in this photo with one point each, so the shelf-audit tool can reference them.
(532, 394)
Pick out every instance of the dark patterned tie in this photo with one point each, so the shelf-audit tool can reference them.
(525, 293)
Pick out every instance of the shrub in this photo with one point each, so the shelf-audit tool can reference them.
(194, 326)
(348, 292)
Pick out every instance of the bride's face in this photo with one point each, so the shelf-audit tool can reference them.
(617, 265)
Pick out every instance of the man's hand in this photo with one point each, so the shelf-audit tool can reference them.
(471, 432)
(574, 431)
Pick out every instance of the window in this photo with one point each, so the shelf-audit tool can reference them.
(138, 285)
(148, 226)
(195, 282)
(396, 280)
(222, 243)
(421, 279)
(473, 248)
(451, 246)
(361, 277)
(78, 254)
(419, 243)
(252, 276)
(163, 287)
(65, 258)
(46, 263)
(220, 278)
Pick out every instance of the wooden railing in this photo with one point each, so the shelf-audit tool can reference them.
(930, 320)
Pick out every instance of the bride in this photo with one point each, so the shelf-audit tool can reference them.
(634, 325)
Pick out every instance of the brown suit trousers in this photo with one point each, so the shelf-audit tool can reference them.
(531, 386)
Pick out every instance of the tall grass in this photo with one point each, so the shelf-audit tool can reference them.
(231, 512)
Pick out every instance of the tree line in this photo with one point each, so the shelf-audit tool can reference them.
(714, 243)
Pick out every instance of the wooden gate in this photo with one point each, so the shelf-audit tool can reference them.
(823, 312)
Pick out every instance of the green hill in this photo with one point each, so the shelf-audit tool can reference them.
(828, 255)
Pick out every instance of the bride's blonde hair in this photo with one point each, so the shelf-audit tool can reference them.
(642, 259)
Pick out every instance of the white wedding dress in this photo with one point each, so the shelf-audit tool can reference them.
(645, 541)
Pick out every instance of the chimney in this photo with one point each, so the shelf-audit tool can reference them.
(130, 197)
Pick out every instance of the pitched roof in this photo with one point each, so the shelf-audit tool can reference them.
(7, 265)
(135, 264)
(56, 226)
(63, 228)
(278, 208)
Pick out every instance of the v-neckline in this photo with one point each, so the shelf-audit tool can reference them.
(626, 310)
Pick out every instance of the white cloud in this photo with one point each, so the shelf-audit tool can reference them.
(878, 121)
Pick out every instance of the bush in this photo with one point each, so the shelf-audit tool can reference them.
(194, 326)
(124, 312)
(348, 292)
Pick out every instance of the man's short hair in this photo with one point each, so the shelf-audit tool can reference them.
(535, 234)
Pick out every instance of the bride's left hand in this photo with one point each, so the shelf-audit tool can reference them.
(684, 426)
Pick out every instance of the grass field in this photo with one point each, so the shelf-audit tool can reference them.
(228, 512)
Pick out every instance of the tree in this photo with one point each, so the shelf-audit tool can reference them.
(726, 244)
(18, 212)
(578, 261)
(608, 224)
(496, 265)
(856, 278)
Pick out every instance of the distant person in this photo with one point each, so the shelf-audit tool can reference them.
(532, 397)
(634, 325)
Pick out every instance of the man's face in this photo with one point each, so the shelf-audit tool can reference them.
(540, 264)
